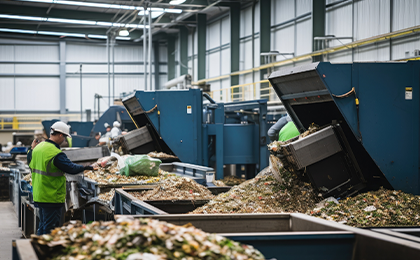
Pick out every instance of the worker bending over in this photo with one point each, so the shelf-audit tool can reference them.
(115, 131)
(48, 165)
(284, 129)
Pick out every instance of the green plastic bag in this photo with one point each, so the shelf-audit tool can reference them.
(141, 165)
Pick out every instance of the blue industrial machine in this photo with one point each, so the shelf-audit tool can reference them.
(376, 106)
(211, 134)
(83, 132)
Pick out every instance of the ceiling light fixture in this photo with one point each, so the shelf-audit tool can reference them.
(72, 21)
(176, 2)
(123, 32)
(101, 5)
(61, 34)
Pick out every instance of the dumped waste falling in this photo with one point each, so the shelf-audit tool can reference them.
(264, 194)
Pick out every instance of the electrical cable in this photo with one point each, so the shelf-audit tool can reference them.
(356, 101)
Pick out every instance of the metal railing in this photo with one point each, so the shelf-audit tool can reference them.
(31, 121)
(248, 91)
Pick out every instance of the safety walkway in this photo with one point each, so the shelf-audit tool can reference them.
(9, 229)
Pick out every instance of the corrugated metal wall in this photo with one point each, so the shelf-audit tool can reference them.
(291, 32)
(30, 71)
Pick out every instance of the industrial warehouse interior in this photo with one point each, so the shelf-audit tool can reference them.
(209, 129)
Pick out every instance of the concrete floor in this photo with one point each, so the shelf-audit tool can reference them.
(9, 229)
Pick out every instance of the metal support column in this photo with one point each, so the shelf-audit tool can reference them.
(201, 43)
(235, 12)
(150, 50)
(156, 60)
(62, 77)
(318, 25)
(109, 69)
(81, 94)
(145, 47)
(183, 50)
(171, 58)
(265, 41)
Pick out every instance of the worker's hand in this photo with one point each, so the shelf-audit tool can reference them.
(35, 142)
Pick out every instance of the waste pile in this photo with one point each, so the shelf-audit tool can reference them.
(108, 169)
(103, 177)
(138, 239)
(107, 196)
(264, 194)
(232, 181)
(219, 183)
(373, 209)
(28, 178)
(175, 188)
(161, 155)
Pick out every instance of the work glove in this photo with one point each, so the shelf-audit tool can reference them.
(90, 168)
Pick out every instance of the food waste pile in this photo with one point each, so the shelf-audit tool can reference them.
(138, 239)
(264, 194)
(176, 188)
(107, 196)
(108, 175)
(229, 181)
(373, 209)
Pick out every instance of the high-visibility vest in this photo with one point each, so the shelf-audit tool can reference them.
(48, 182)
(288, 132)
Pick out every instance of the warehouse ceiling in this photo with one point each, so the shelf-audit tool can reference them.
(92, 19)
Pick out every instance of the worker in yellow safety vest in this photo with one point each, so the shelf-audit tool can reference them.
(48, 165)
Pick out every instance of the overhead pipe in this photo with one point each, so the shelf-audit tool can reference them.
(351, 45)
(185, 79)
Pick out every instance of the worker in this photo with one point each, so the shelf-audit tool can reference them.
(48, 165)
(116, 131)
(108, 130)
(283, 130)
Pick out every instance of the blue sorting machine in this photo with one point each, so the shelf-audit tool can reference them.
(209, 134)
(373, 109)
(83, 132)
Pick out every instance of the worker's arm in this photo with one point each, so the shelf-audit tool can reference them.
(62, 162)
(273, 132)
(35, 142)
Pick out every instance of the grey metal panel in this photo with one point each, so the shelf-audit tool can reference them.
(303, 6)
(315, 147)
(372, 18)
(405, 14)
(136, 138)
(284, 10)
(7, 94)
(31, 92)
(231, 223)
(297, 80)
(87, 154)
(303, 37)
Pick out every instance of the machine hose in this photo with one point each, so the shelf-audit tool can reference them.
(151, 110)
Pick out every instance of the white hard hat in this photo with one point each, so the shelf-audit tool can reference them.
(61, 127)
(106, 125)
(116, 124)
(19, 143)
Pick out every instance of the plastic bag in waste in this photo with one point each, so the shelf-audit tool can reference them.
(141, 165)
